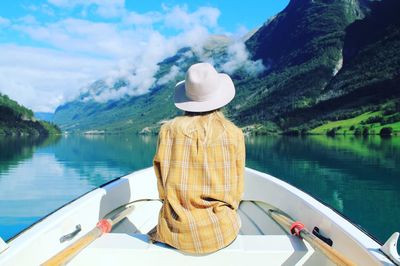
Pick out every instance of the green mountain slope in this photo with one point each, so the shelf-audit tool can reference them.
(321, 61)
(371, 55)
(304, 31)
(18, 120)
(303, 47)
(369, 78)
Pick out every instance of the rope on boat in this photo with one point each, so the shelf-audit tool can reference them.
(104, 226)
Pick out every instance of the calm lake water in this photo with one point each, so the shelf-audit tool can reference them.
(359, 177)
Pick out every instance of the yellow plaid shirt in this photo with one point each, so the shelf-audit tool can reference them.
(200, 179)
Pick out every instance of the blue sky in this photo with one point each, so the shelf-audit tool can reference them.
(51, 50)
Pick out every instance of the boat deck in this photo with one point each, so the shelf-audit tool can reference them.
(260, 240)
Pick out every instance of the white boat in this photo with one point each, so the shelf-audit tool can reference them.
(261, 239)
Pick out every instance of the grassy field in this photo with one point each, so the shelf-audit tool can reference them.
(349, 126)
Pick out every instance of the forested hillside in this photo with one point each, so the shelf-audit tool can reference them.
(18, 120)
(368, 82)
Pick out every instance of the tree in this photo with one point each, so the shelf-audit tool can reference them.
(386, 132)
(357, 132)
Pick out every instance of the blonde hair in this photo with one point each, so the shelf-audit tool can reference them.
(209, 125)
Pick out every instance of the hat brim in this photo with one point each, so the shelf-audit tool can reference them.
(221, 97)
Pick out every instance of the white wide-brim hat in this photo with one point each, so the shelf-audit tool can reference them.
(204, 89)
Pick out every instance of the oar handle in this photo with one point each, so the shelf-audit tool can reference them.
(314, 241)
(330, 252)
(103, 226)
(67, 254)
(70, 252)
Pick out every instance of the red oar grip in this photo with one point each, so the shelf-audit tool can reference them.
(104, 225)
(296, 228)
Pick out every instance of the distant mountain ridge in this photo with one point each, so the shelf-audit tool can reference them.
(45, 116)
(320, 63)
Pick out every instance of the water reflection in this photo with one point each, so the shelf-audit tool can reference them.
(99, 159)
(15, 149)
(16, 154)
(36, 177)
(357, 176)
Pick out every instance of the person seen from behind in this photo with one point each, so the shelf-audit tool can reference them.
(199, 164)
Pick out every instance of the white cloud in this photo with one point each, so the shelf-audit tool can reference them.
(43, 8)
(178, 17)
(4, 21)
(139, 68)
(110, 9)
(140, 75)
(137, 19)
(28, 19)
(78, 35)
(81, 51)
(228, 53)
(238, 57)
(171, 75)
(42, 79)
(103, 8)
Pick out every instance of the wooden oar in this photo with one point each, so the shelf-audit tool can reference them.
(103, 226)
(299, 230)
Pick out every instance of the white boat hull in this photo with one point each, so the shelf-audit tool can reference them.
(127, 243)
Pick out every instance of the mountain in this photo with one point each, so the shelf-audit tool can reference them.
(15, 119)
(303, 47)
(45, 116)
(136, 113)
(315, 62)
(367, 81)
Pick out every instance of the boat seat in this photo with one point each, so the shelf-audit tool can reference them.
(254, 217)
(124, 249)
(260, 240)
